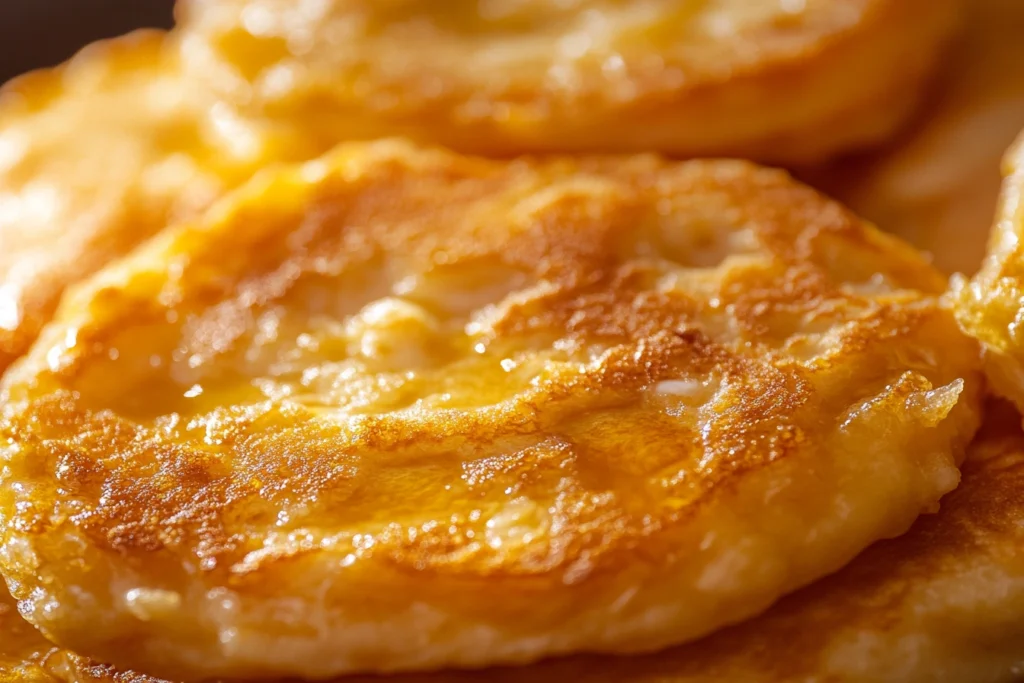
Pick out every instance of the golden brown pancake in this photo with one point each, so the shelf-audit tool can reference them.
(399, 409)
(942, 604)
(100, 154)
(990, 307)
(788, 81)
(937, 187)
(23, 650)
(96, 156)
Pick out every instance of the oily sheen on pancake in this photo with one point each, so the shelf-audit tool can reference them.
(400, 409)
(510, 76)
(990, 307)
(942, 604)
(96, 156)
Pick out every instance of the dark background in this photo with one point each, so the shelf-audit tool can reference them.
(36, 33)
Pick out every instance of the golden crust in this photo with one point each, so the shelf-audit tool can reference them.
(159, 148)
(944, 602)
(23, 651)
(96, 156)
(321, 430)
(506, 76)
(937, 186)
(989, 306)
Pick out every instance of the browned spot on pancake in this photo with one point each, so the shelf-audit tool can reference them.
(569, 379)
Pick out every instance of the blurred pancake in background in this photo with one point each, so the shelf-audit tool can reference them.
(937, 187)
(789, 81)
(942, 604)
(401, 409)
(96, 156)
(99, 154)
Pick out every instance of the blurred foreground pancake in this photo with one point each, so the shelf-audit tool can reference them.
(400, 409)
(782, 82)
(937, 187)
(96, 156)
(942, 604)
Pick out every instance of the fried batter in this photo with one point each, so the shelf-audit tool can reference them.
(96, 156)
(400, 409)
(938, 186)
(942, 604)
(23, 651)
(990, 307)
(782, 81)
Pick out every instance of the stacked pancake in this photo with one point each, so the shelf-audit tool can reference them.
(346, 338)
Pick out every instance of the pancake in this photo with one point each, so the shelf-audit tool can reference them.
(942, 604)
(99, 154)
(937, 186)
(96, 156)
(989, 306)
(503, 77)
(24, 652)
(399, 409)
